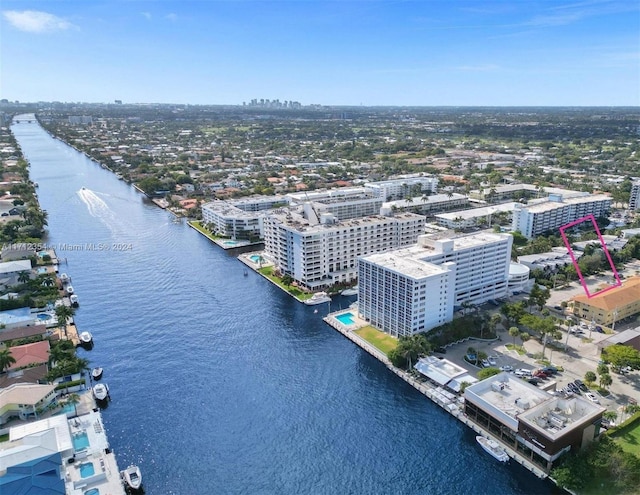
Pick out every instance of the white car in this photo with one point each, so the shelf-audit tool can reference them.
(485, 363)
(592, 397)
(492, 360)
(506, 367)
(522, 372)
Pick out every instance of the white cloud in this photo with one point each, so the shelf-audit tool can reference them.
(34, 21)
(147, 15)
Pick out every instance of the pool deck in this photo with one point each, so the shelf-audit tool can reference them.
(221, 241)
(106, 477)
(441, 397)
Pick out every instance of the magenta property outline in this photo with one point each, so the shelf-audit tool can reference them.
(575, 262)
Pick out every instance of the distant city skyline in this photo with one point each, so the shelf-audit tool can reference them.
(352, 52)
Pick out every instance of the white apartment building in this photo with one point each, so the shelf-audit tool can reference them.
(533, 220)
(418, 288)
(429, 205)
(403, 187)
(228, 220)
(320, 255)
(343, 203)
(634, 198)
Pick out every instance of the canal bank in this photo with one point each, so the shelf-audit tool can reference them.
(223, 384)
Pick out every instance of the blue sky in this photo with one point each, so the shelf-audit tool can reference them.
(340, 52)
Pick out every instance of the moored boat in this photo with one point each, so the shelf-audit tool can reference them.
(132, 477)
(318, 298)
(96, 373)
(64, 278)
(101, 391)
(85, 338)
(69, 289)
(492, 448)
(74, 300)
(353, 291)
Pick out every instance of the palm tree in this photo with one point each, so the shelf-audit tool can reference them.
(24, 276)
(75, 400)
(63, 314)
(6, 359)
(605, 380)
(524, 336)
(514, 332)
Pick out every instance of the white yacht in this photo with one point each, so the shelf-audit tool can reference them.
(69, 289)
(86, 337)
(73, 298)
(96, 373)
(318, 298)
(492, 448)
(352, 291)
(132, 477)
(100, 391)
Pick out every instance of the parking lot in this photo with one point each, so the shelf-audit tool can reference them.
(581, 356)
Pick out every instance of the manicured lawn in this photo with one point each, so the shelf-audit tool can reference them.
(198, 226)
(628, 437)
(386, 343)
(267, 271)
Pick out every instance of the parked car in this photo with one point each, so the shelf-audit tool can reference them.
(534, 381)
(540, 374)
(574, 388)
(550, 370)
(522, 372)
(592, 397)
(506, 367)
(440, 350)
(599, 329)
(493, 360)
(581, 385)
(485, 363)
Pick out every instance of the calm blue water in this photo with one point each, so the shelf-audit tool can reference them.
(223, 384)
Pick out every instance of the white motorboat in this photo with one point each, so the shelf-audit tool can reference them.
(132, 477)
(101, 391)
(73, 299)
(353, 291)
(86, 337)
(318, 298)
(492, 448)
(64, 278)
(96, 373)
(69, 289)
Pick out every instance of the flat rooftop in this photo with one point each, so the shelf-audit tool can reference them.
(552, 205)
(478, 212)
(398, 262)
(557, 416)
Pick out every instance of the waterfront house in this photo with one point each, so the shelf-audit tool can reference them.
(10, 272)
(24, 401)
(29, 354)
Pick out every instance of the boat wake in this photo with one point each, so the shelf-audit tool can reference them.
(100, 210)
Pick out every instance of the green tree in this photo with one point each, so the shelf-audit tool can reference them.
(590, 377)
(287, 279)
(63, 314)
(524, 336)
(605, 380)
(75, 400)
(621, 355)
(602, 369)
(487, 372)
(514, 332)
(408, 350)
(6, 359)
(23, 277)
(611, 416)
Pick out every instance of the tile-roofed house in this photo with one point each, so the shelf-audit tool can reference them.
(37, 352)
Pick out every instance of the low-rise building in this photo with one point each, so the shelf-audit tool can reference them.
(531, 421)
(24, 401)
(608, 307)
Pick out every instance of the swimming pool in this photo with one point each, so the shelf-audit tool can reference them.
(87, 470)
(346, 318)
(93, 491)
(230, 243)
(255, 258)
(80, 441)
(42, 270)
(44, 316)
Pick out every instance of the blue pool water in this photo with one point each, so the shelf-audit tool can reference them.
(230, 243)
(80, 441)
(42, 270)
(255, 258)
(87, 470)
(93, 491)
(345, 318)
(44, 317)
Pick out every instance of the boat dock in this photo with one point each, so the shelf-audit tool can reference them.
(447, 400)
